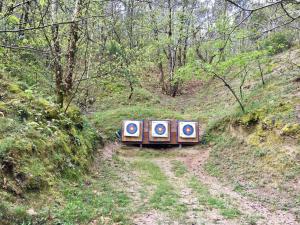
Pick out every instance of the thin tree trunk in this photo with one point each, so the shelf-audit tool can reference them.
(131, 89)
(72, 47)
(24, 18)
(242, 84)
(158, 53)
(231, 90)
(171, 57)
(57, 56)
(261, 73)
(58, 67)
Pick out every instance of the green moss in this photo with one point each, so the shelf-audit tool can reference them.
(42, 102)
(13, 144)
(14, 88)
(251, 118)
(74, 114)
(42, 143)
(3, 107)
(290, 129)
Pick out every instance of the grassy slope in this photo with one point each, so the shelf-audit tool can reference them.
(40, 142)
(39, 147)
(258, 149)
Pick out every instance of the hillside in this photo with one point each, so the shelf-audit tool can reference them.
(254, 156)
(39, 146)
(256, 153)
(72, 71)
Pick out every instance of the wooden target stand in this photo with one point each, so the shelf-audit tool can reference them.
(146, 138)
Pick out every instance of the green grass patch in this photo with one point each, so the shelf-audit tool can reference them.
(205, 198)
(110, 121)
(164, 197)
(178, 168)
(82, 204)
(212, 169)
(95, 198)
(150, 154)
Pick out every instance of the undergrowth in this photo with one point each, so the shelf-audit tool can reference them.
(39, 145)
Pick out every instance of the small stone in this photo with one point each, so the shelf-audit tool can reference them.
(31, 212)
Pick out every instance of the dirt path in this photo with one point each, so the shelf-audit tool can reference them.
(199, 209)
(265, 214)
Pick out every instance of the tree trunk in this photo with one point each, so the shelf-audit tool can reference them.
(24, 18)
(57, 56)
(57, 66)
(231, 90)
(158, 53)
(72, 46)
(171, 56)
(242, 83)
(261, 73)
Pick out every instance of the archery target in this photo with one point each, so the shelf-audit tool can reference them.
(132, 128)
(160, 129)
(187, 129)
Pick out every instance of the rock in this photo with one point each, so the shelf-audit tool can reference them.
(31, 212)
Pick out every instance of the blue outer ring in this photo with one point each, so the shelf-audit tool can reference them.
(131, 125)
(163, 131)
(188, 133)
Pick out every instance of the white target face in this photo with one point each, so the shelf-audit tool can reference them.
(160, 129)
(187, 129)
(132, 128)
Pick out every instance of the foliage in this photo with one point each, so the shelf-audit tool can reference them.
(39, 143)
(277, 42)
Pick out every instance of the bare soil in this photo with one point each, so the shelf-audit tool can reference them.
(253, 211)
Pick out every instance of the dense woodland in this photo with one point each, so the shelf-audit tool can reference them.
(77, 44)
(71, 71)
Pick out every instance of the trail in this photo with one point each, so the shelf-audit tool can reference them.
(267, 215)
(252, 212)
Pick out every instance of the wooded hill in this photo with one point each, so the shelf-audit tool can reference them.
(71, 71)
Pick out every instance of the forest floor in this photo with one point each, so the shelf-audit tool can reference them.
(170, 186)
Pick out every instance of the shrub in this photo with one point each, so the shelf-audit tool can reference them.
(277, 43)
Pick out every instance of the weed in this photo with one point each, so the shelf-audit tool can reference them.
(178, 168)
(212, 169)
(205, 198)
(165, 197)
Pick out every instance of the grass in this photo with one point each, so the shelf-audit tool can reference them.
(178, 168)
(39, 144)
(206, 199)
(100, 200)
(212, 169)
(109, 121)
(150, 154)
(90, 198)
(164, 196)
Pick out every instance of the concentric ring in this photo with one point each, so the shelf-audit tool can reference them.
(131, 128)
(188, 130)
(160, 129)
